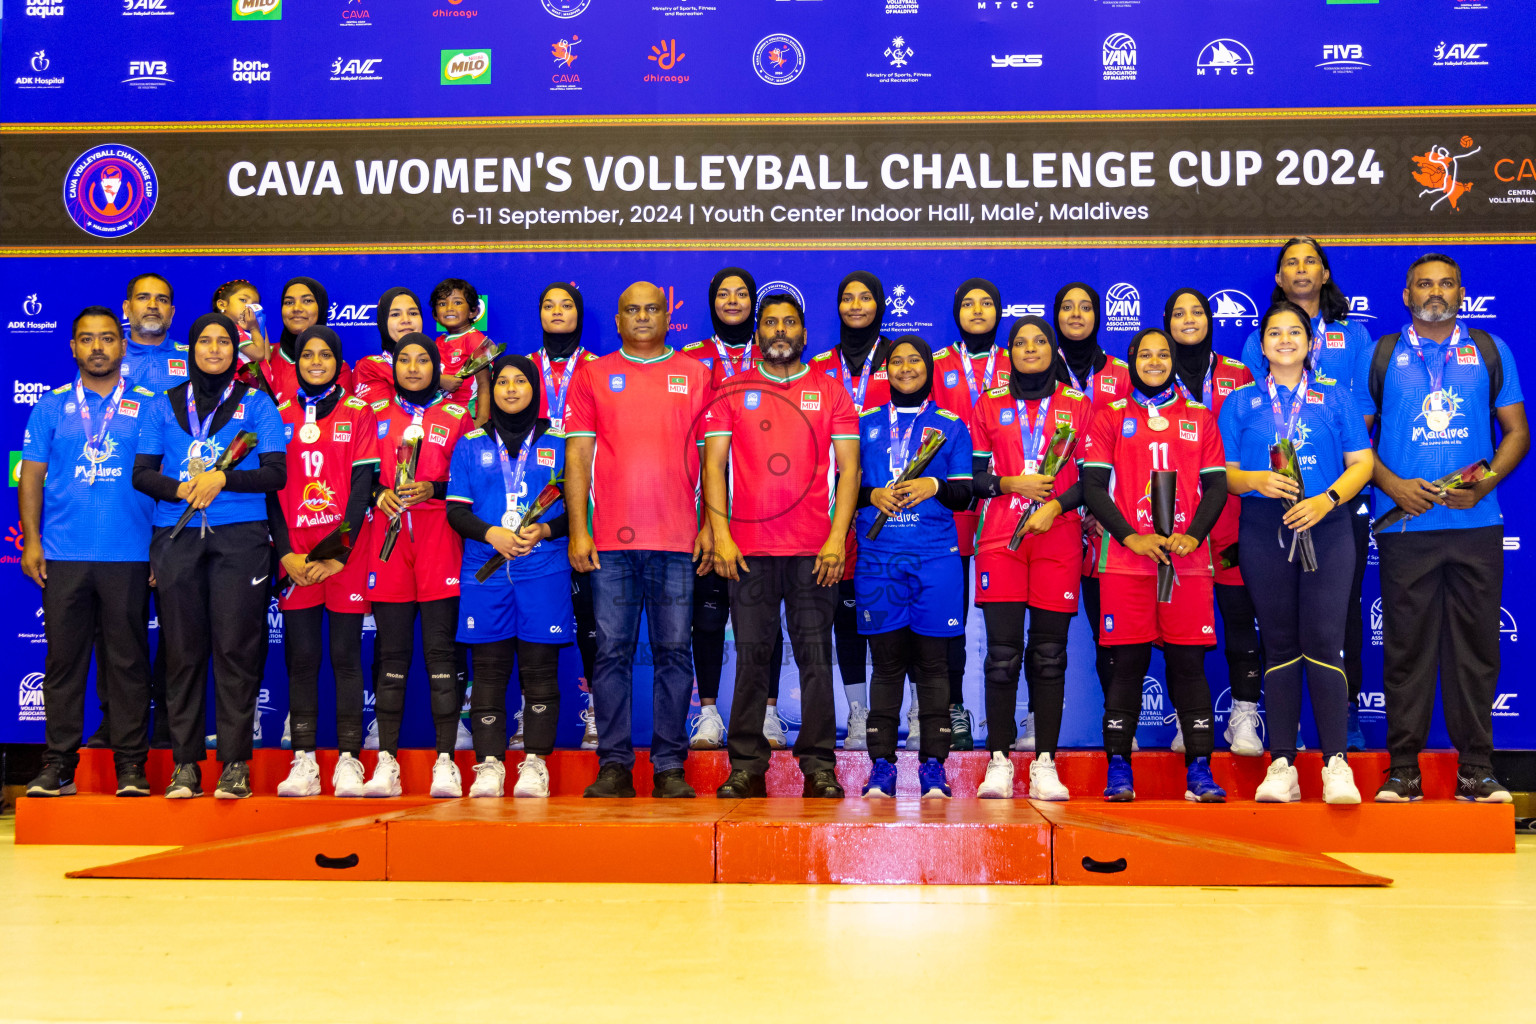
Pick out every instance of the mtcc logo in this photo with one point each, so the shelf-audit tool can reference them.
(1236, 306)
(1224, 57)
(1507, 627)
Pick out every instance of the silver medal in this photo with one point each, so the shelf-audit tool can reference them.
(509, 520)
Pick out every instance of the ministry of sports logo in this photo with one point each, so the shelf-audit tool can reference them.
(110, 191)
(778, 59)
(1119, 58)
(1439, 171)
(898, 52)
(1224, 57)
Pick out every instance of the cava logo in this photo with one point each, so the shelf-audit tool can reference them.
(355, 69)
(146, 8)
(355, 14)
(466, 67)
(564, 51)
(29, 699)
(257, 10)
(778, 59)
(1119, 58)
(1439, 171)
(249, 70)
(1344, 58)
(1122, 311)
(148, 74)
(1229, 304)
(1460, 55)
(1224, 57)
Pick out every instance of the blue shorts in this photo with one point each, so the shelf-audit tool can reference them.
(926, 594)
(537, 610)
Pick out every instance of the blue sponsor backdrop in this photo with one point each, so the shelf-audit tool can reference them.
(155, 61)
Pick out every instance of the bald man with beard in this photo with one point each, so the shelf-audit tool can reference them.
(632, 427)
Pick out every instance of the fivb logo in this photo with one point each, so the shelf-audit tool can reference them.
(1343, 58)
(29, 699)
(148, 74)
(1123, 310)
(256, 10)
(1360, 308)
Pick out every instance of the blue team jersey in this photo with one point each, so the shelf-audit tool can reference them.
(1343, 341)
(160, 434)
(1427, 433)
(1330, 424)
(475, 477)
(156, 367)
(107, 521)
(927, 528)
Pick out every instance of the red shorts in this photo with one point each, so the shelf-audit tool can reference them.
(425, 564)
(850, 552)
(965, 532)
(1131, 615)
(346, 592)
(1093, 543)
(1043, 573)
(1232, 577)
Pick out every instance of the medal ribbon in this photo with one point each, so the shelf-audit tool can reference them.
(512, 477)
(1033, 437)
(1205, 386)
(1285, 427)
(311, 404)
(847, 379)
(93, 440)
(970, 370)
(556, 397)
(900, 441)
(1436, 380)
(731, 369)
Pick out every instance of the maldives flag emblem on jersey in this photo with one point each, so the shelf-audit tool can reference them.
(1314, 397)
(439, 434)
(677, 384)
(1335, 339)
(810, 401)
(128, 407)
(1466, 355)
(1108, 384)
(341, 432)
(1063, 417)
(1224, 385)
(1188, 431)
(546, 457)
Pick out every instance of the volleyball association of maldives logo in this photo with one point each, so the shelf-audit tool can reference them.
(110, 191)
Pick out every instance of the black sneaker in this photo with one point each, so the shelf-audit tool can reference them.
(823, 784)
(131, 781)
(741, 784)
(1403, 785)
(960, 737)
(234, 782)
(1477, 785)
(51, 782)
(186, 782)
(671, 785)
(613, 780)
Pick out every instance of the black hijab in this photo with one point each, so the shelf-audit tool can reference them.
(560, 346)
(1084, 357)
(208, 388)
(1190, 361)
(381, 316)
(1032, 387)
(1136, 381)
(734, 335)
(925, 350)
(333, 343)
(855, 344)
(427, 394)
(286, 339)
(512, 427)
(978, 344)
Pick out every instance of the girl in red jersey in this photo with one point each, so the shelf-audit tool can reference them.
(1013, 426)
(1156, 429)
(303, 304)
(397, 314)
(332, 459)
(456, 306)
(422, 573)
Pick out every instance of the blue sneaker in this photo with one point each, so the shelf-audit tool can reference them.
(1354, 739)
(1120, 789)
(930, 778)
(882, 778)
(1199, 787)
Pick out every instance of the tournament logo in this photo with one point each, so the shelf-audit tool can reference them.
(565, 8)
(778, 288)
(257, 10)
(1224, 57)
(29, 699)
(778, 59)
(1439, 171)
(1236, 306)
(1119, 58)
(110, 191)
(465, 67)
(1122, 311)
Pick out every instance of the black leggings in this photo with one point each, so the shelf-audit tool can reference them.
(1103, 657)
(1045, 665)
(396, 621)
(894, 654)
(1186, 685)
(957, 643)
(1245, 658)
(851, 644)
(586, 622)
(538, 677)
(711, 610)
(302, 652)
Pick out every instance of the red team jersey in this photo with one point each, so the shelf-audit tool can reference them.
(373, 378)
(1110, 384)
(1121, 440)
(998, 434)
(877, 392)
(283, 376)
(781, 444)
(454, 350)
(552, 403)
(314, 499)
(1227, 375)
(736, 360)
(645, 416)
(952, 388)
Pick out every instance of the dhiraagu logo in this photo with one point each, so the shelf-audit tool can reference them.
(466, 67)
(256, 10)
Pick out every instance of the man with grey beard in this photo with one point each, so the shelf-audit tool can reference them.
(1439, 389)
(779, 540)
(152, 360)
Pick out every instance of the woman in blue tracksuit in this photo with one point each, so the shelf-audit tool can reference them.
(1301, 614)
(909, 581)
(523, 611)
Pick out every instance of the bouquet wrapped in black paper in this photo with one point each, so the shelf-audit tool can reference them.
(243, 444)
(1467, 476)
(932, 440)
(1165, 484)
(1056, 455)
(1282, 460)
(405, 476)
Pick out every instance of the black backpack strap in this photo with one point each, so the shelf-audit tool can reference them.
(1489, 353)
(1379, 360)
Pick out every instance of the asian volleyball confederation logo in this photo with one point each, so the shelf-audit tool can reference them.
(778, 59)
(110, 191)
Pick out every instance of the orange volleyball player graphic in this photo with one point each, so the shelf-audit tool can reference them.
(777, 56)
(565, 51)
(1440, 173)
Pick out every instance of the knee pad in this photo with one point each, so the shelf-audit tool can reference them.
(1047, 660)
(1002, 667)
(390, 696)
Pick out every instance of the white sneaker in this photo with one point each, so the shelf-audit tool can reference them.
(347, 779)
(914, 732)
(858, 724)
(708, 729)
(1044, 784)
(464, 740)
(532, 777)
(1243, 727)
(516, 742)
(1177, 746)
(286, 742)
(386, 777)
(773, 729)
(589, 720)
(303, 778)
(371, 737)
(446, 782)
(998, 784)
(1339, 782)
(1135, 747)
(490, 776)
(1026, 740)
(1280, 785)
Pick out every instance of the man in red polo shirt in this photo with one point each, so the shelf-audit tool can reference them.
(782, 541)
(632, 422)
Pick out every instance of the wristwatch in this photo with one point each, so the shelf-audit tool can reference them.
(1333, 496)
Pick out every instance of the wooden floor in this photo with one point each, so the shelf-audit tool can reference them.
(1453, 939)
